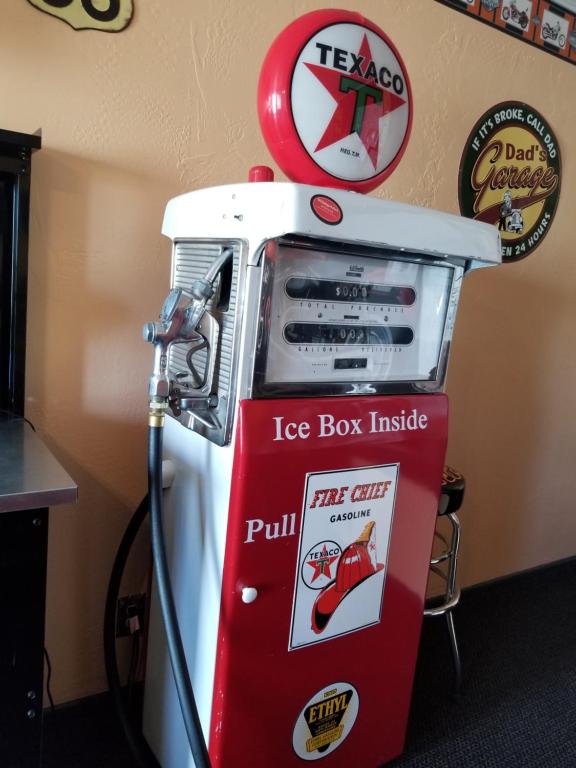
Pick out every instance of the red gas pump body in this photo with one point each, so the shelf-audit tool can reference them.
(261, 687)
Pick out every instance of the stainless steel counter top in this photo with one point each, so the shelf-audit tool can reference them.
(30, 476)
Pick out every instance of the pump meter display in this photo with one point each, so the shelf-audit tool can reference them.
(344, 317)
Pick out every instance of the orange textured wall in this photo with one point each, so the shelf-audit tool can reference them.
(132, 119)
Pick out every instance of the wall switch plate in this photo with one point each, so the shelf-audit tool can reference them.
(130, 612)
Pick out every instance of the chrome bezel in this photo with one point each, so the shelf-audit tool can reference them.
(262, 389)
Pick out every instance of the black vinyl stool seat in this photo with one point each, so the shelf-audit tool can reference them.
(445, 564)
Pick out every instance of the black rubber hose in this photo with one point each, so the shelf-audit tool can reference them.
(166, 599)
(136, 741)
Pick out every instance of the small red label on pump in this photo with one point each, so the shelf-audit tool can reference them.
(326, 209)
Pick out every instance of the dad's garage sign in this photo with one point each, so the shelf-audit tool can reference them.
(510, 176)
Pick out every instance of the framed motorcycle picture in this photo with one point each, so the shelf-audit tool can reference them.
(547, 24)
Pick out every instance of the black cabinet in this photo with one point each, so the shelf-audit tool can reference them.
(23, 546)
(31, 481)
(15, 166)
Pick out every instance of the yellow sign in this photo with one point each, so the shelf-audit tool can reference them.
(510, 176)
(325, 721)
(104, 15)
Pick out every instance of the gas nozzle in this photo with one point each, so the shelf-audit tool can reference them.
(171, 327)
(153, 331)
(180, 321)
(202, 290)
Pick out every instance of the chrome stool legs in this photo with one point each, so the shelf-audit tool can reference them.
(455, 654)
(445, 565)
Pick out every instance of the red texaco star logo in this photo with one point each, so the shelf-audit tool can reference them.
(360, 100)
(322, 565)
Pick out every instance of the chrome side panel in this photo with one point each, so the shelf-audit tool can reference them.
(208, 409)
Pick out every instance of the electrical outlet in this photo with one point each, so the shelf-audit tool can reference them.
(130, 612)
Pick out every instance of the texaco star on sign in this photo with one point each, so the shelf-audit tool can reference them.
(334, 101)
(361, 102)
(322, 566)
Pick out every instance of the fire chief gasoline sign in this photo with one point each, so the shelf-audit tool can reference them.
(510, 176)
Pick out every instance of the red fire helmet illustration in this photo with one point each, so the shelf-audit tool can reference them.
(356, 564)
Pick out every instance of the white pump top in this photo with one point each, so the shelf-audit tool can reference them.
(260, 211)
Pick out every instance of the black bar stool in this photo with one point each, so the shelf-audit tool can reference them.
(445, 564)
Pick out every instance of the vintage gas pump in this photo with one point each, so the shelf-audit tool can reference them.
(301, 354)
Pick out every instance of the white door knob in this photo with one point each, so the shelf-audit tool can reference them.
(249, 594)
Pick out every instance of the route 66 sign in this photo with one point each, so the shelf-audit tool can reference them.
(104, 15)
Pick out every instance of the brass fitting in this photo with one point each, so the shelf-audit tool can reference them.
(156, 412)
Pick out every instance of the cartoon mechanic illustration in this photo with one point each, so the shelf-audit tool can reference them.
(505, 211)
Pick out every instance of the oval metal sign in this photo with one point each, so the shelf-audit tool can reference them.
(334, 101)
(510, 176)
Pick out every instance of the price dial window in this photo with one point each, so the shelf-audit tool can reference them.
(346, 291)
(342, 318)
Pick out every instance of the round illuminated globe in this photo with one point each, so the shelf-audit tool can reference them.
(334, 101)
